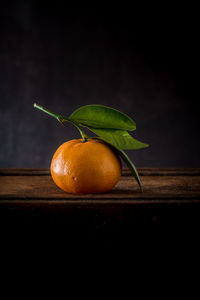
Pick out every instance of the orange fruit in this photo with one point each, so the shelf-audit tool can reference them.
(85, 167)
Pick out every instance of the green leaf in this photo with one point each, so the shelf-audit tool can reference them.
(131, 166)
(118, 138)
(128, 162)
(100, 116)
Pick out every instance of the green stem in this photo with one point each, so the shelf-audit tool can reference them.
(46, 111)
(62, 119)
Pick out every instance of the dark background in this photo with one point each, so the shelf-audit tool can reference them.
(142, 61)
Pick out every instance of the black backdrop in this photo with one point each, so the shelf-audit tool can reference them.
(139, 62)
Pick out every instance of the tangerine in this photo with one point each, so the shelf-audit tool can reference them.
(85, 167)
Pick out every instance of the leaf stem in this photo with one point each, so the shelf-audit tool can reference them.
(46, 111)
(62, 119)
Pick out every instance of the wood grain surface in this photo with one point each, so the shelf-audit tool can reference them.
(158, 184)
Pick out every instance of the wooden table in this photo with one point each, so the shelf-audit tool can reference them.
(169, 205)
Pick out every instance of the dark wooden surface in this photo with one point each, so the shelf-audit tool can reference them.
(160, 185)
(168, 206)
